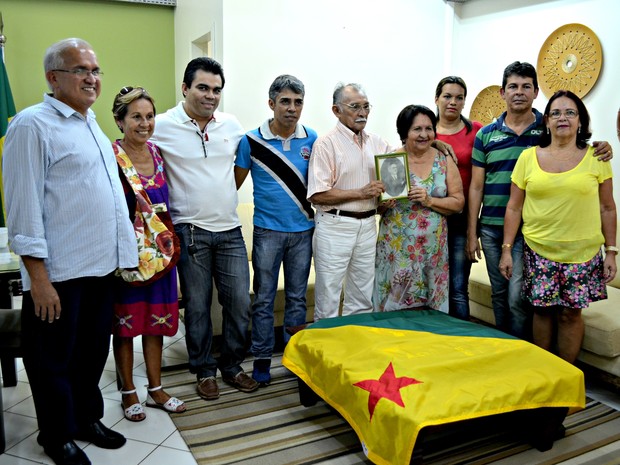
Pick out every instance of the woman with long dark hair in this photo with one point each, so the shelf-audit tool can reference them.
(455, 129)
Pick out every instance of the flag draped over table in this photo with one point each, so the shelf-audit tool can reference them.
(7, 111)
(391, 374)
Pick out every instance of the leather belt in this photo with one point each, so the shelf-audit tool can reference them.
(358, 215)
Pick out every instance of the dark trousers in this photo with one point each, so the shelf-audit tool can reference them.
(64, 360)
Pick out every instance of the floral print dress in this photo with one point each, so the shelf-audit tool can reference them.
(153, 309)
(411, 265)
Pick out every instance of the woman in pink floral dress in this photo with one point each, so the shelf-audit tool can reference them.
(411, 267)
(152, 310)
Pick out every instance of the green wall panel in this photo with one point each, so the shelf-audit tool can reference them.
(134, 45)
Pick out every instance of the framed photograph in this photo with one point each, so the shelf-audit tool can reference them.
(393, 170)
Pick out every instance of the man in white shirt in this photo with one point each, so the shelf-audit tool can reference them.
(343, 188)
(198, 144)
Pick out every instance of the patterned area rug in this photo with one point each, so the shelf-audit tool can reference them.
(271, 427)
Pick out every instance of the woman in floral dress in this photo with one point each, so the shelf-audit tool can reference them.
(152, 310)
(411, 267)
(562, 200)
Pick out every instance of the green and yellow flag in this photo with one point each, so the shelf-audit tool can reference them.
(391, 374)
(7, 111)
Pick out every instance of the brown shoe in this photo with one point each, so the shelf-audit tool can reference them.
(242, 382)
(207, 388)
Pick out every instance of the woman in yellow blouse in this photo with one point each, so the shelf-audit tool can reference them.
(565, 198)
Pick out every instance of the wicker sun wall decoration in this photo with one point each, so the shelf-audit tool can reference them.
(487, 106)
(571, 58)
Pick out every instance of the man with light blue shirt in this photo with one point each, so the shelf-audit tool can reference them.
(68, 221)
(277, 154)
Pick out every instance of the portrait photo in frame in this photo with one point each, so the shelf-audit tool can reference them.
(393, 170)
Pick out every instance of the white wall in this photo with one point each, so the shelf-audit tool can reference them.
(506, 31)
(193, 19)
(397, 49)
(391, 49)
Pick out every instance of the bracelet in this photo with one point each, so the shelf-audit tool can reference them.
(611, 248)
(506, 246)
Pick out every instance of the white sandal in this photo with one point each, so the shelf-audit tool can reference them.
(133, 410)
(171, 405)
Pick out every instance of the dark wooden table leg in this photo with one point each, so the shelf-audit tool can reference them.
(545, 426)
(307, 396)
(2, 439)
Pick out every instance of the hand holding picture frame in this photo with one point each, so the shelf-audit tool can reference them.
(393, 170)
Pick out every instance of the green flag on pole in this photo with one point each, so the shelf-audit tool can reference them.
(7, 111)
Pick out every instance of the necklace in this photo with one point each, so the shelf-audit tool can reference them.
(562, 159)
(450, 130)
(565, 158)
(152, 180)
(142, 153)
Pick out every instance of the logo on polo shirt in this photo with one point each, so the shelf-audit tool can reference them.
(305, 152)
(498, 138)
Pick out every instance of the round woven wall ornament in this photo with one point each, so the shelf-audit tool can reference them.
(488, 105)
(570, 59)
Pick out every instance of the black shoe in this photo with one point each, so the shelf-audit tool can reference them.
(67, 454)
(101, 436)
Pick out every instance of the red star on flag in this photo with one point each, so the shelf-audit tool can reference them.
(388, 386)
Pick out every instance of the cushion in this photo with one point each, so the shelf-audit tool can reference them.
(245, 211)
(602, 319)
(479, 284)
(609, 365)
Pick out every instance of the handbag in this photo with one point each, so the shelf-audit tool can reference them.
(158, 246)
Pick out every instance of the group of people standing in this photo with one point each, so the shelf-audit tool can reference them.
(314, 197)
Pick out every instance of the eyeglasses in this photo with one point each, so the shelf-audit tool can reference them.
(127, 89)
(81, 72)
(569, 114)
(358, 106)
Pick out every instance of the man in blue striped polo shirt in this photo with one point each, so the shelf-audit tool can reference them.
(277, 153)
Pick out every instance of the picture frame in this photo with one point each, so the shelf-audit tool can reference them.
(393, 170)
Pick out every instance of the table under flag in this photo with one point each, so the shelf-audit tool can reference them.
(391, 374)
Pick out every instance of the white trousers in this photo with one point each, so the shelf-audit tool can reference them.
(344, 253)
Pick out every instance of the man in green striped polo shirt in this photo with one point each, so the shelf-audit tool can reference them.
(496, 149)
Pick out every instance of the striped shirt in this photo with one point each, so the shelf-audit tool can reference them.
(339, 161)
(496, 150)
(65, 201)
(279, 170)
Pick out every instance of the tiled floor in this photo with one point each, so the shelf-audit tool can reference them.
(154, 441)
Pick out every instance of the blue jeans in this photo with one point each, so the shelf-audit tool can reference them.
(271, 249)
(460, 267)
(511, 311)
(221, 258)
